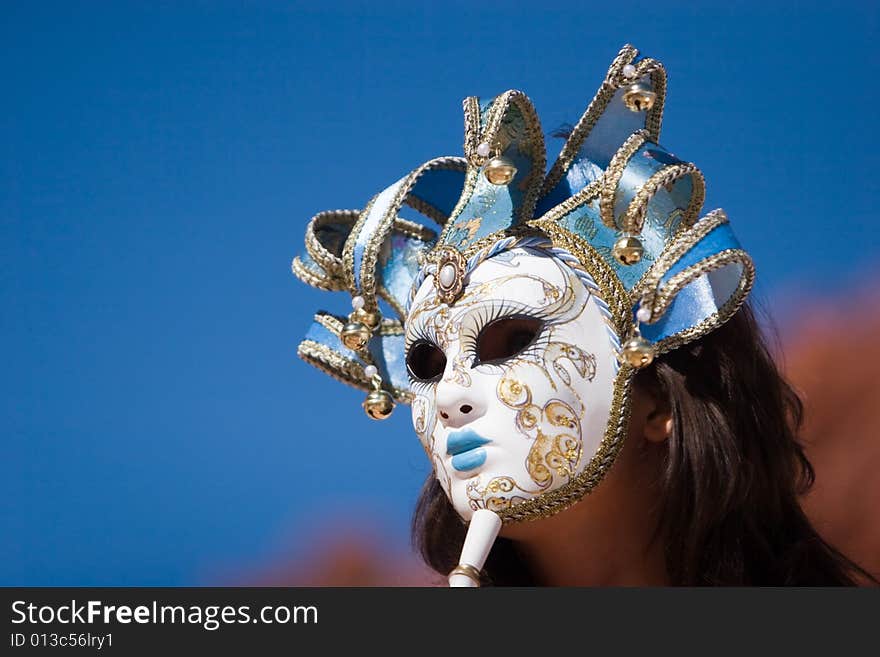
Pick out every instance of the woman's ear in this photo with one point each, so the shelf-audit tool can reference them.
(658, 424)
(656, 410)
(651, 417)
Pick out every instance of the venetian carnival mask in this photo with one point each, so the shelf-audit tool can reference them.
(513, 383)
(514, 319)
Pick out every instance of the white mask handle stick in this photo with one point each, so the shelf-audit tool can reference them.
(481, 535)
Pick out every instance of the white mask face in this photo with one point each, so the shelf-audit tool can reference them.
(513, 382)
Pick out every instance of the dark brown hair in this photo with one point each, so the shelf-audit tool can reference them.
(732, 476)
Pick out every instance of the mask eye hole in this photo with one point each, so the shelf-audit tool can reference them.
(425, 361)
(506, 337)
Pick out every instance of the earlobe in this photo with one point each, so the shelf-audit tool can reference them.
(658, 426)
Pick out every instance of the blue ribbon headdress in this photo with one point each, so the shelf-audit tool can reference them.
(616, 206)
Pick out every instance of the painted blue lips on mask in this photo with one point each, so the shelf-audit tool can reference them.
(465, 448)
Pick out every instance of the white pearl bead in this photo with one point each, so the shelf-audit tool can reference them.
(483, 150)
(629, 71)
(357, 302)
(370, 371)
(643, 314)
(447, 275)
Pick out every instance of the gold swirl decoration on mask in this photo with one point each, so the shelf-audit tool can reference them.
(497, 495)
(583, 362)
(557, 451)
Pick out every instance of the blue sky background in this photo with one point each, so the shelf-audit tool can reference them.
(159, 162)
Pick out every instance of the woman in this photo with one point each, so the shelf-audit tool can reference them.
(563, 321)
(704, 491)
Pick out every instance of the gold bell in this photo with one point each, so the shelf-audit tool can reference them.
(378, 405)
(355, 335)
(637, 352)
(628, 250)
(638, 98)
(368, 319)
(499, 171)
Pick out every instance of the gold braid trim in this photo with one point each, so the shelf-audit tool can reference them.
(335, 325)
(491, 238)
(572, 203)
(589, 118)
(614, 80)
(614, 173)
(654, 120)
(646, 288)
(348, 248)
(687, 276)
(634, 218)
(471, 107)
(333, 363)
(470, 182)
(328, 261)
(390, 327)
(534, 138)
(412, 229)
(724, 313)
(330, 322)
(426, 209)
(496, 113)
(334, 277)
(377, 238)
(420, 205)
(310, 277)
(342, 369)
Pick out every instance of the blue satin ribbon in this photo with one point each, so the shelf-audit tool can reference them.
(440, 188)
(491, 208)
(703, 297)
(715, 241)
(613, 128)
(385, 350)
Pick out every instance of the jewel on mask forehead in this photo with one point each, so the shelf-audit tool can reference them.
(447, 275)
(449, 280)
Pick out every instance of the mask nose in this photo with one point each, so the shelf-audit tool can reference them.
(457, 405)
